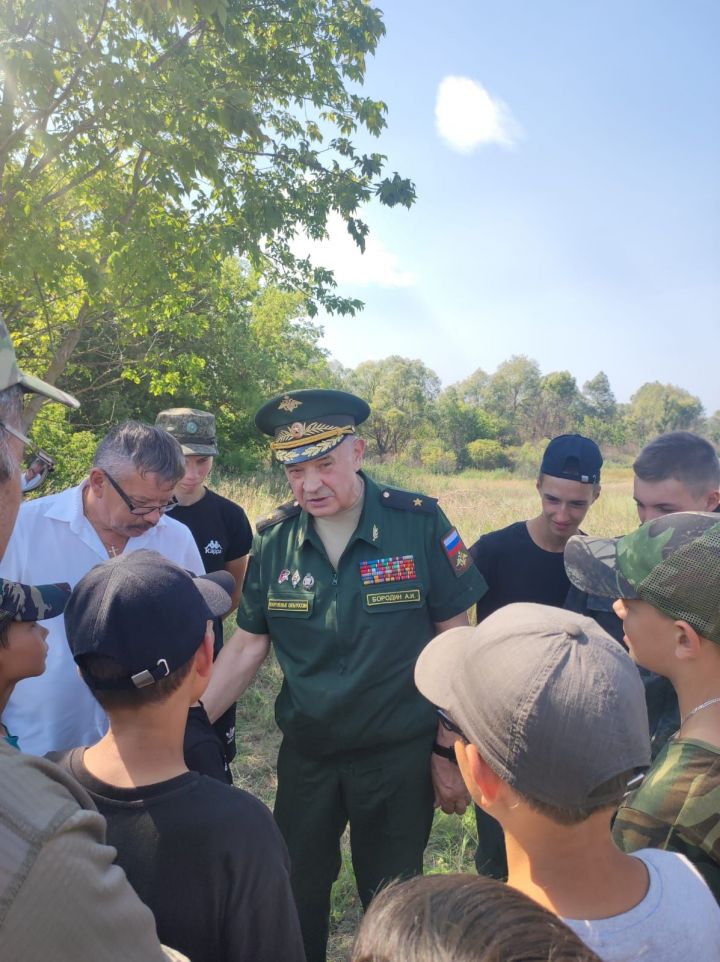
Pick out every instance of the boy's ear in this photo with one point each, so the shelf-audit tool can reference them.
(204, 654)
(480, 780)
(688, 643)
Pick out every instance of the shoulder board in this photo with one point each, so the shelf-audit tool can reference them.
(288, 510)
(408, 500)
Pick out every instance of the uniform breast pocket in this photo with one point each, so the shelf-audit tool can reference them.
(393, 597)
(295, 605)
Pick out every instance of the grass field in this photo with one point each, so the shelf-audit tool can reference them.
(475, 503)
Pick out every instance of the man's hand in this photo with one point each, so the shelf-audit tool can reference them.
(451, 795)
(450, 792)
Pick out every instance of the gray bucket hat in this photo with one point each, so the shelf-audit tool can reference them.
(554, 705)
(194, 430)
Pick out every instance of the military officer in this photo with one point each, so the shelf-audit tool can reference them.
(349, 581)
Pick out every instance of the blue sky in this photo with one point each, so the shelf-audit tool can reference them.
(566, 157)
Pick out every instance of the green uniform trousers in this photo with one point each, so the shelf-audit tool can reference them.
(385, 794)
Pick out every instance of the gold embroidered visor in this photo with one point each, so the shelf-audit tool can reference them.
(302, 441)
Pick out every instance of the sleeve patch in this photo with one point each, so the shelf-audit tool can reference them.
(456, 552)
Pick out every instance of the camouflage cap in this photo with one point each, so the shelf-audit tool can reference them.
(11, 374)
(672, 562)
(31, 602)
(194, 430)
(308, 424)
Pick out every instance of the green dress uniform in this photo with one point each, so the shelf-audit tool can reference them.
(357, 733)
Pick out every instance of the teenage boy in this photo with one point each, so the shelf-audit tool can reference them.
(524, 562)
(666, 576)
(677, 471)
(204, 856)
(23, 648)
(550, 722)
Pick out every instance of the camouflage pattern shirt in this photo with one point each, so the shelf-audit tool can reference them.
(677, 808)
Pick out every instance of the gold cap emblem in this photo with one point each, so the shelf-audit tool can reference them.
(288, 403)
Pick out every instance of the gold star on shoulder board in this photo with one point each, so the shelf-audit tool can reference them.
(417, 502)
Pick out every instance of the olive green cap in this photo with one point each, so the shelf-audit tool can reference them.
(193, 430)
(308, 424)
(672, 562)
(11, 374)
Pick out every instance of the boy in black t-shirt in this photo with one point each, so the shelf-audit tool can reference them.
(207, 858)
(223, 535)
(524, 562)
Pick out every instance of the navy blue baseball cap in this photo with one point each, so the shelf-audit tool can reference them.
(574, 457)
(146, 613)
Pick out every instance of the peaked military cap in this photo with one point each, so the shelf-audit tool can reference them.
(31, 602)
(11, 374)
(307, 424)
(193, 430)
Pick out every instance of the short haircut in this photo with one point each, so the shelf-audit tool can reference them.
(140, 447)
(683, 456)
(103, 668)
(616, 786)
(5, 623)
(462, 918)
(11, 407)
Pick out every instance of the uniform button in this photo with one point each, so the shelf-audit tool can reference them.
(386, 494)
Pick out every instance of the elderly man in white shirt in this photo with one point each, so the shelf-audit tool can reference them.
(120, 507)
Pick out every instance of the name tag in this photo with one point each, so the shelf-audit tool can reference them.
(376, 598)
(282, 604)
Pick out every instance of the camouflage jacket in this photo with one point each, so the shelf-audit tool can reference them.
(677, 808)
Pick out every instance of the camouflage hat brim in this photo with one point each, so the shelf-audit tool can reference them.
(201, 449)
(35, 386)
(20, 602)
(592, 566)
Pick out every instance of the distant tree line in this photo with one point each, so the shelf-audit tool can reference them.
(257, 342)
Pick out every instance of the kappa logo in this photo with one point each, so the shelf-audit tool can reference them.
(213, 547)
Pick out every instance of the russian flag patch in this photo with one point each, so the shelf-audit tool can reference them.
(455, 551)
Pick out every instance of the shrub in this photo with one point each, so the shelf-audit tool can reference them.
(487, 454)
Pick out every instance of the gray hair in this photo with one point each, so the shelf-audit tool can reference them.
(140, 447)
(11, 407)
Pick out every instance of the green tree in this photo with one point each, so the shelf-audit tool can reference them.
(512, 395)
(656, 408)
(598, 396)
(400, 393)
(558, 406)
(459, 422)
(141, 142)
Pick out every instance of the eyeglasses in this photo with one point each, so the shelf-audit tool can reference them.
(37, 464)
(140, 510)
(449, 725)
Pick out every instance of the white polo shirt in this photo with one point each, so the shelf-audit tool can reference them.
(52, 542)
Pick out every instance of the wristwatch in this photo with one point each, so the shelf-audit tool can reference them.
(445, 752)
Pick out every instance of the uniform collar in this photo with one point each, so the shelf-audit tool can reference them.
(369, 527)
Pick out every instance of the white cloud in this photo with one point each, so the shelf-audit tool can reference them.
(340, 254)
(466, 116)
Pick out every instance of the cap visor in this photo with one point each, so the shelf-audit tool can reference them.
(309, 451)
(591, 565)
(216, 589)
(36, 386)
(439, 662)
(33, 602)
(203, 449)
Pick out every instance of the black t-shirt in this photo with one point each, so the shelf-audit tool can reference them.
(220, 528)
(222, 533)
(516, 569)
(207, 859)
